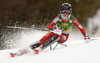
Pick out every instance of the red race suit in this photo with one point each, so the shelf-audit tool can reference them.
(65, 34)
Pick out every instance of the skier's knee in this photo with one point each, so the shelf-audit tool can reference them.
(50, 41)
(35, 44)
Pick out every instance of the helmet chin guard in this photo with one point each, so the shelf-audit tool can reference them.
(66, 17)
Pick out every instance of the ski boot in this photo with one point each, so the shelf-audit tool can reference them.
(19, 53)
(37, 50)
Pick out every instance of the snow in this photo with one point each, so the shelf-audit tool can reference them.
(76, 52)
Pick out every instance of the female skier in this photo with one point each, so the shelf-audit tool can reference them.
(59, 27)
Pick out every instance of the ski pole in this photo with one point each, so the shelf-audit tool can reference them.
(93, 39)
(57, 45)
(15, 27)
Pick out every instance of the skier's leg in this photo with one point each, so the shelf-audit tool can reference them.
(63, 38)
(26, 49)
(43, 40)
(46, 44)
(50, 41)
(35, 45)
(46, 37)
(21, 51)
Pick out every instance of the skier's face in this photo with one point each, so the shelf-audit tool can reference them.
(65, 15)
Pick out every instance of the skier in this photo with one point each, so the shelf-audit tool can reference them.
(59, 27)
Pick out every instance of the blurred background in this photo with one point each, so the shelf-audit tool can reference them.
(26, 13)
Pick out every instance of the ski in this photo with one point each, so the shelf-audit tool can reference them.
(12, 55)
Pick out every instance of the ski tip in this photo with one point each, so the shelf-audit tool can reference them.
(12, 55)
(65, 45)
(36, 51)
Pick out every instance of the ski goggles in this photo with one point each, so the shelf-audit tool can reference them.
(65, 11)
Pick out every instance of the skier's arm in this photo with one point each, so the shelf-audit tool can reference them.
(53, 22)
(77, 24)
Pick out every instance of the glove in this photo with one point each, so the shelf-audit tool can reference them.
(56, 31)
(87, 39)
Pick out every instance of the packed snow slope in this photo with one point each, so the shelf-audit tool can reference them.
(76, 52)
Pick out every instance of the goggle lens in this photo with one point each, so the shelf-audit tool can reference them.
(65, 11)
